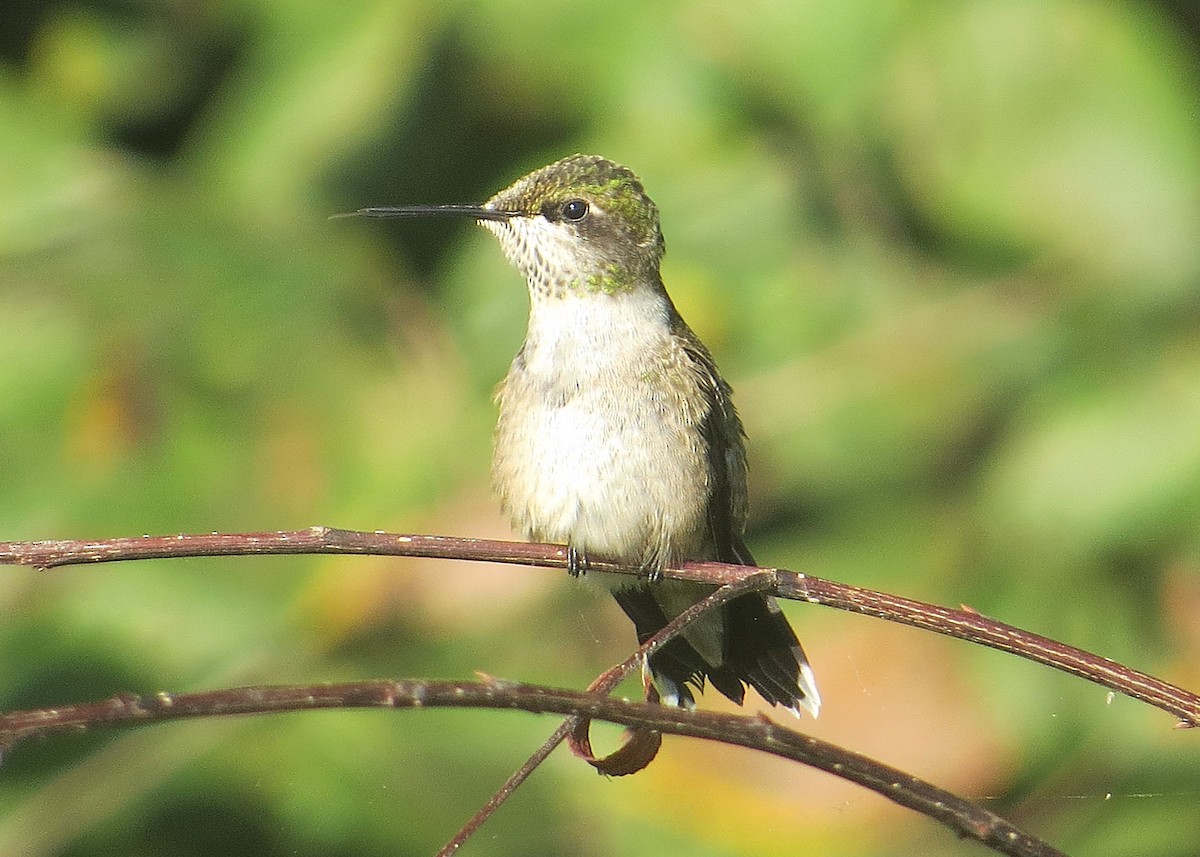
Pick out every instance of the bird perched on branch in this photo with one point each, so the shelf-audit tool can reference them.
(617, 436)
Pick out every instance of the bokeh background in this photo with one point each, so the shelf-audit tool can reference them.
(947, 254)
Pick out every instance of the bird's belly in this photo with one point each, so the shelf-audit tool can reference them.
(619, 477)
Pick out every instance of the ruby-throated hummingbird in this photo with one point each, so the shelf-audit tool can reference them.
(616, 434)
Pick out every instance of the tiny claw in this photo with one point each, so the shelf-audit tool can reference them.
(653, 574)
(577, 562)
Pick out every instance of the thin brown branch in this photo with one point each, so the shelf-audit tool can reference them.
(605, 683)
(505, 791)
(964, 624)
(757, 733)
(53, 553)
(621, 763)
(976, 628)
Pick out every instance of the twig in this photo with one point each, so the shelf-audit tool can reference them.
(604, 684)
(53, 553)
(758, 733)
(505, 791)
(968, 625)
(964, 624)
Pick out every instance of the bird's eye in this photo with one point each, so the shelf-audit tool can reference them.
(574, 210)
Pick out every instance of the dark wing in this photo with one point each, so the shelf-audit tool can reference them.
(760, 646)
(724, 438)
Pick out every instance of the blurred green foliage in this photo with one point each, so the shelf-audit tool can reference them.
(946, 252)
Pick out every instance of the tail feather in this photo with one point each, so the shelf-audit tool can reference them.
(760, 649)
(675, 664)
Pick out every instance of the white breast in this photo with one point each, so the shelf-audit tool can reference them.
(595, 445)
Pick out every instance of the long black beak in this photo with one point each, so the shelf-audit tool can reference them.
(476, 212)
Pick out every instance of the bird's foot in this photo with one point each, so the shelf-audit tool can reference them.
(577, 561)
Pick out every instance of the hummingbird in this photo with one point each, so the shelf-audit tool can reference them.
(616, 434)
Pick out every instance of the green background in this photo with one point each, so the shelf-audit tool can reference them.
(946, 253)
